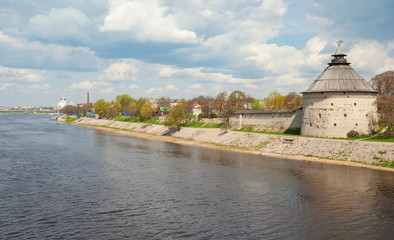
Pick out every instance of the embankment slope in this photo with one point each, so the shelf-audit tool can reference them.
(301, 148)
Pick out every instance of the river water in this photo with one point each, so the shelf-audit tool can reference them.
(59, 181)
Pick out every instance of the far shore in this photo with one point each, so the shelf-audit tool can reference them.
(181, 141)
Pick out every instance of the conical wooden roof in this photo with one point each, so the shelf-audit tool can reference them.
(339, 77)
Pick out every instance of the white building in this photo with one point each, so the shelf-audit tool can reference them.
(338, 101)
(62, 103)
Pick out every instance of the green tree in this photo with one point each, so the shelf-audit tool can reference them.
(256, 104)
(275, 100)
(125, 101)
(138, 104)
(147, 111)
(100, 107)
(177, 115)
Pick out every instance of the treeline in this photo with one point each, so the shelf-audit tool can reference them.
(184, 110)
(211, 107)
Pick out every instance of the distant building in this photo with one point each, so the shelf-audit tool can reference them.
(62, 103)
(197, 109)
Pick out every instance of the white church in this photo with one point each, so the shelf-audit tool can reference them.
(338, 101)
(62, 103)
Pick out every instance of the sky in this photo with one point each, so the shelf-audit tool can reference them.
(182, 48)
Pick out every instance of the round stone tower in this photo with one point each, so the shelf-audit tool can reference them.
(338, 101)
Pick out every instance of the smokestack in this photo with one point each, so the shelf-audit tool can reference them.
(88, 98)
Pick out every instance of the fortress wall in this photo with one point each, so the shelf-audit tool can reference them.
(278, 122)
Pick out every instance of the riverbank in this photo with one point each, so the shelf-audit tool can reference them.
(342, 152)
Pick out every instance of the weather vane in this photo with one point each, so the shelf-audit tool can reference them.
(339, 42)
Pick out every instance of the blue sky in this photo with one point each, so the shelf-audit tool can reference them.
(180, 48)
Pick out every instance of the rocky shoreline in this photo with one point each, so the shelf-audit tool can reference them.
(295, 147)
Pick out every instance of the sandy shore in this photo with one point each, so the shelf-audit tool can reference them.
(176, 140)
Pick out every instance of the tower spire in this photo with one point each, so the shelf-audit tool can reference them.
(339, 56)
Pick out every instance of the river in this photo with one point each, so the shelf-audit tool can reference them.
(61, 181)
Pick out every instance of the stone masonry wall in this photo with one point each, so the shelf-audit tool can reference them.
(334, 114)
(269, 122)
(361, 151)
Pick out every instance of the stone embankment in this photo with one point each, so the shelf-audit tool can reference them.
(346, 150)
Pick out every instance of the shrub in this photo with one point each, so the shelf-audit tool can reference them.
(353, 134)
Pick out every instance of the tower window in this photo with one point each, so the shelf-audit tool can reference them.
(310, 124)
(356, 124)
(335, 124)
(319, 115)
(345, 115)
(332, 104)
(355, 104)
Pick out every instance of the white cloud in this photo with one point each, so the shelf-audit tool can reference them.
(21, 74)
(320, 20)
(132, 87)
(273, 58)
(201, 73)
(158, 90)
(41, 87)
(166, 71)
(217, 88)
(124, 69)
(313, 53)
(231, 25)
(87, 85)
(286, 65)
(18, 51)
(145, 21)
(108, 90)
(171, 87)
(59, 24)
(290, 79)
(195, 86)
(372, 56)
(251, 86)
(273, 7)
(6, 85)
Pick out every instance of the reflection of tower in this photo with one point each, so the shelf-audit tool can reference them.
(87, 100)
(62, 103)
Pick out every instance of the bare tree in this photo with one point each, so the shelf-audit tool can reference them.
(220, 102)
(384, 84)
